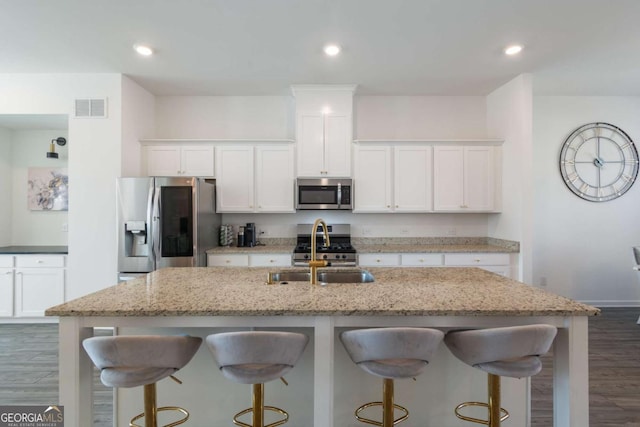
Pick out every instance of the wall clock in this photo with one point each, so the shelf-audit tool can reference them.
(599, 162)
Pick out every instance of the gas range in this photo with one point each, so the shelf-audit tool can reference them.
(338, 253)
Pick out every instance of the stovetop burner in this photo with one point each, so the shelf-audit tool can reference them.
(339, 252)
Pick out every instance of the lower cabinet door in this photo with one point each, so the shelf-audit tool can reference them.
(38, 289)
(6, 292)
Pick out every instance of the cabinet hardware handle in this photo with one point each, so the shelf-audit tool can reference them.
(397, 206)
(227, 261)
(39, 261)
(377, 260)
(19, 272)
(8, 272)
(476, 260)
(272, 261)
(388, 206)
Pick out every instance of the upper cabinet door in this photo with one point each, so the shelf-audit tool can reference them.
(372, 179)
(448, 178)
(234, 181)
(197, 161)
(337, 145)
(310, 136)
(412, 178)
(465, 178)
(178, 160)
(479, 178)
(163, 160)
(275, 178)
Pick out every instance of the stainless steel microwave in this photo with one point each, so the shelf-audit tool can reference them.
(324, 193)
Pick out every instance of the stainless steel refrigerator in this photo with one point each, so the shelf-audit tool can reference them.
(164, 222)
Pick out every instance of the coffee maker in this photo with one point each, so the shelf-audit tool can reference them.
(250, 235)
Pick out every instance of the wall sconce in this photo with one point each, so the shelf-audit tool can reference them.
(51, 154)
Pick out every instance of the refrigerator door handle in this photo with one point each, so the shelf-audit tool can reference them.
(155, 244)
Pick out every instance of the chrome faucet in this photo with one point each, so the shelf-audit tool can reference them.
(313, 263)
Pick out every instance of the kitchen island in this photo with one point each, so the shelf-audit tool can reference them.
(194, 298)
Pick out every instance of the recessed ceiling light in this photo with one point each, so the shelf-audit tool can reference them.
(513, 50)
(332, 49)
(143, 50)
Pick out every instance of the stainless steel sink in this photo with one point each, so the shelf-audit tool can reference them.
(351, 276)
(288, 276)
(324, 277)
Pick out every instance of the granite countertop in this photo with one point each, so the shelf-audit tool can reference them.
(391, 245)
(262, 249)
(232, 291)
(32, 250)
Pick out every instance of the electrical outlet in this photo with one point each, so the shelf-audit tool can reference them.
(543, 281)
(451, 231)
(366, 231)
(404, 231)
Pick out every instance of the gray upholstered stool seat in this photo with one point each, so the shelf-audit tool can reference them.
(501, 352)
(390, 353)
(142, 360)
(257, 357)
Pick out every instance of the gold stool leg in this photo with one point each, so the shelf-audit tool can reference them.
(150, 409)
(388, 407)
(258, 408)
(493, 386)
(258, 405)
(496, 413)
(387, 403)
(150, 413)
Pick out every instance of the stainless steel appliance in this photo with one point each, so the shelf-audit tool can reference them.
(324, 193)
(338, 253)
(165, 222)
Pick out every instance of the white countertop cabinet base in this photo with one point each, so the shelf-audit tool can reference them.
(29, 284)
(325, 381)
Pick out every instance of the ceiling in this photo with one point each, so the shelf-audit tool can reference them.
(390, 47)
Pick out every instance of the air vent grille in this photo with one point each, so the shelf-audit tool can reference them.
(91, 108)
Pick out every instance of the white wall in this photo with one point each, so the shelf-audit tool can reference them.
(5, 186)
(583, 249)
(94, 163)
(509, 118)
(35, 227)
(138, 121)
(224, 117)
(419, 117)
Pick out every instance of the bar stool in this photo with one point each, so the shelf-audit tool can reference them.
(257, 357)
(142, 360)
(501, 352)
(390, 353)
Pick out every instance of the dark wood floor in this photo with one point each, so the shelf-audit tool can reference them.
(29, 372)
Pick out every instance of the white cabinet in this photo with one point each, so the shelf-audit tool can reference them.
(230, 260)
(249, 260)
(324, 145)
(270, 260)
(255, 178)
(465, 178)
(36, 289)
(234, 182)
(324, 129)
(378, 260)
(6, 292)
(35, 283)
(275, 178)
(495, 262)
(421, 260)
(392, 178)
(372, 179)
(180, 160)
